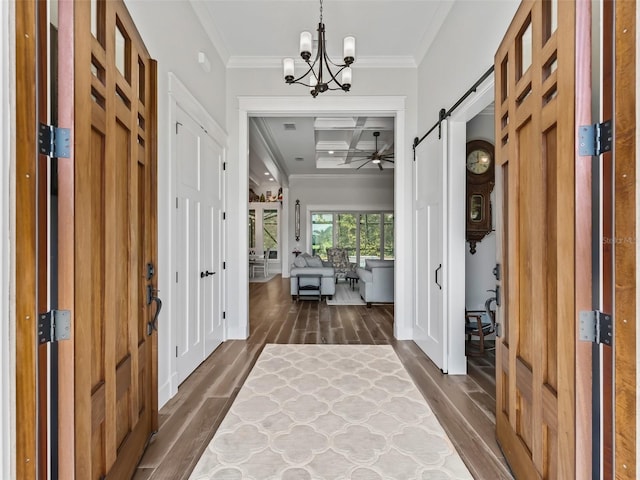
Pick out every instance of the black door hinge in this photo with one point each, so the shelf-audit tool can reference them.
(224, 215)
(54, 142)
(53, 326)
(596, 327)
(224, 165)
(224, 315)
(224, 265)
(594, 140)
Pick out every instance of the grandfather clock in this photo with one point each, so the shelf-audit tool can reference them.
(480, 181)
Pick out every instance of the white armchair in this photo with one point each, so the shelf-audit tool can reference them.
(376, 281)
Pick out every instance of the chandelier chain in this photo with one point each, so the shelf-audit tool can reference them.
(320, 11)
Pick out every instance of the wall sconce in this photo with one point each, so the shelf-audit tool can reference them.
(297, 220)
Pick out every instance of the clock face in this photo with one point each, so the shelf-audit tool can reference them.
(478, 161)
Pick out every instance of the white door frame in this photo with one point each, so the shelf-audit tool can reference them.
(393, 106)
(454, 295)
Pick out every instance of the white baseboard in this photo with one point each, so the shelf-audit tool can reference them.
(402, 333)
(167, 390)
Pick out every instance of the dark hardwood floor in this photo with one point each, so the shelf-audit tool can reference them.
(464, 404)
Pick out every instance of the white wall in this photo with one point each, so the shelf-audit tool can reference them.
(479, 266)
(173, 35)
(7, 187)
(334, 192)
(461, 52)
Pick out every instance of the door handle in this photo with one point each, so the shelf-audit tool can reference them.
(437, 270)
(151, 298)
(206, 273)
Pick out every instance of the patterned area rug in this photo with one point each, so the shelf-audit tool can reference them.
(345, 296)
(329, 412)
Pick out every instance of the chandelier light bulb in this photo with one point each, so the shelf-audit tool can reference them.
(346, 77)
(306, 41)
(288, 66)
(349, 49)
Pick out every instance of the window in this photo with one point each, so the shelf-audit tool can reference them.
(347, 230)
(369, 236)
(321, 233)
(264, 230)
(363, 234)
(270, 231)
(388, 246)
(252, 228)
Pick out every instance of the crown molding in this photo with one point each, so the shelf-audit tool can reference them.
(205, 19)
(361, 62)
(431, 33)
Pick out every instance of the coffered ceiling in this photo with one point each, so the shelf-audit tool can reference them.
(312, 145)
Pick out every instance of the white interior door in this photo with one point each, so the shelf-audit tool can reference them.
(211, 243)
(430, 332)
(198, 244)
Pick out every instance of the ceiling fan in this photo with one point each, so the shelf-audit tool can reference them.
(376, 157)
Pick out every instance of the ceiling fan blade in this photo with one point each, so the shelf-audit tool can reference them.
(363, 165)
(380, 166)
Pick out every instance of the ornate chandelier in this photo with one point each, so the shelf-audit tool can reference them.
(321, 68)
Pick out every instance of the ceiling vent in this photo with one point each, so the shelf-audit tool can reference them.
(299, 159)
(289, 126)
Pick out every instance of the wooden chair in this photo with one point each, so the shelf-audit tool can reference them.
(478, 324)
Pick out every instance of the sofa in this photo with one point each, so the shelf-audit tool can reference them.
(376, 281)
(305, 263)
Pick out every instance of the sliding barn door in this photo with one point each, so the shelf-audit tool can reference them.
(542, 241)
(430, 331)
(115, 380)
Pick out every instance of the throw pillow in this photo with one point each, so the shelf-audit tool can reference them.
(300, 261)
(314, 262)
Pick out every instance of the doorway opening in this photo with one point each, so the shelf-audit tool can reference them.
(391, 107)
(480, 253)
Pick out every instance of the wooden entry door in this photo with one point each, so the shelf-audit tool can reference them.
(113, 385)
(545, 253)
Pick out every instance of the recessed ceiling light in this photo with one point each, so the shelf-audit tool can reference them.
(330, 152)
(266, 173)
(271, 179)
